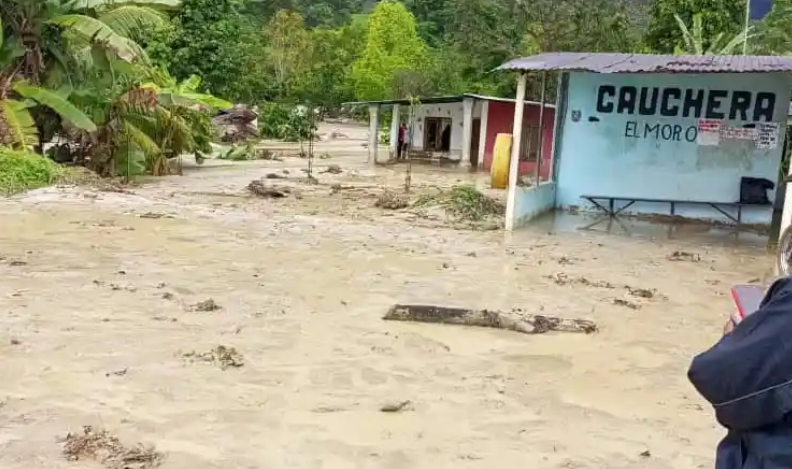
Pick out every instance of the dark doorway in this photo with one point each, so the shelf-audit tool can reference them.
(437, 134)
(474, 143)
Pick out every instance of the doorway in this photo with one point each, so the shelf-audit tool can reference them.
(474, 143)
(437, 134)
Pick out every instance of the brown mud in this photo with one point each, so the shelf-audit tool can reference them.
(104, 293)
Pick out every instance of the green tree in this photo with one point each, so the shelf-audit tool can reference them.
(717, 16)
(322, 13)
(204, 40)
(51, 43)
(433, 19)
(775, 30)
(289, 49)
(694, 40)
(393, 47)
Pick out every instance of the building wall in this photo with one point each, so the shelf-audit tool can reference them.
(645, 153)
(500, 120)
(453, 110)
(530, 202)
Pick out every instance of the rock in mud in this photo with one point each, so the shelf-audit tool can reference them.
(265, 154)
(684, 256)
(394, 407)
(155, 215)
(337, 135)
(222, 356)
(626, 303)
(333, 169)
(206, 306)
(261, 189)
(107, 449)
(645, 293)
(392, 201)
(561, 278)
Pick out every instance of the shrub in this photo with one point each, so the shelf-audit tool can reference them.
(463, 202)
(21, 171)
(281, 122)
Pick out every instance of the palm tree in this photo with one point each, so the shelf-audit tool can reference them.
(695, 44)
(17, 129)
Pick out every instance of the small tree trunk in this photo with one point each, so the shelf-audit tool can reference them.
(525, 323)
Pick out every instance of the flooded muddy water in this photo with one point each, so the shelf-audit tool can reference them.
(99, 321)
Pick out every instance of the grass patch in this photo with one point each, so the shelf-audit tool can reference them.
(21, 171)
(463, 202)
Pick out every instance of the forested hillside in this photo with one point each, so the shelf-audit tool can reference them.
(331, 51)
(83, 62)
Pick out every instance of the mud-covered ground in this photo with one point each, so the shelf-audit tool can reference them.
(105, 321)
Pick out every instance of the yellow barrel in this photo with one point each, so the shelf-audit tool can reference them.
(501, 153)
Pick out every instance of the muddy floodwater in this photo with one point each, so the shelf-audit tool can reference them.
(105, 321)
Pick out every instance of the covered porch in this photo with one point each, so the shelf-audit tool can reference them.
(699, 138)
(460, 130)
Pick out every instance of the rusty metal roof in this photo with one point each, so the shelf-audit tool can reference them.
(644, 63)
(458, 98)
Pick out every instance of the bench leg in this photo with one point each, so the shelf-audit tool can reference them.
(599, 206)
(625, 207)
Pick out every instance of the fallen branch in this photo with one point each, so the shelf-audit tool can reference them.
(525, 323)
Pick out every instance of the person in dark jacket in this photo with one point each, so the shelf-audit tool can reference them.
(747, 377)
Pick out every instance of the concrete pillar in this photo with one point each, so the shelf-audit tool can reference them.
(394, 132)
(467, 128)
(373, 133)
(483, 133)
(786, 214)
(540, 151)
(514, 161)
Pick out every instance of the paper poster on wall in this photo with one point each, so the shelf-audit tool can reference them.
(767, 138)
(739, 133)
(708, 132)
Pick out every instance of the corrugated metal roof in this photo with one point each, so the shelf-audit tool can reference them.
(644, 63)
(444, 99)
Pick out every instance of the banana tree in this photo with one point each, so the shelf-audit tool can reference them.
(60, 38)
(144, 117)
(53, 31)
(696, 44)
(184, 118)
(17, 97)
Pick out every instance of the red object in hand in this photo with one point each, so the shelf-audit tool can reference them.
(747, 298)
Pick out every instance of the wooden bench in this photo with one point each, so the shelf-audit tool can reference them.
(612, 212)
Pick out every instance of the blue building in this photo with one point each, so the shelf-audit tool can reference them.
(652, 134)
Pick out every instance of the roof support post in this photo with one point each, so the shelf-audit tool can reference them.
(394, 132)
(539, 152)
(467, 128)
(373, 133)
(514, 161)
(483, 133)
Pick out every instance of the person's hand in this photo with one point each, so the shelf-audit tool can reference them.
(732, 323)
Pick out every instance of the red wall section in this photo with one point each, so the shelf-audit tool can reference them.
(499, 121)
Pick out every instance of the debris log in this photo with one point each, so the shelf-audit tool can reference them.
(518, 322)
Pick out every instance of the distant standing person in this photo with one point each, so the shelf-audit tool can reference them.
(402, 143)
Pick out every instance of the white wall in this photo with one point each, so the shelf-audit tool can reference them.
(453, 110)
